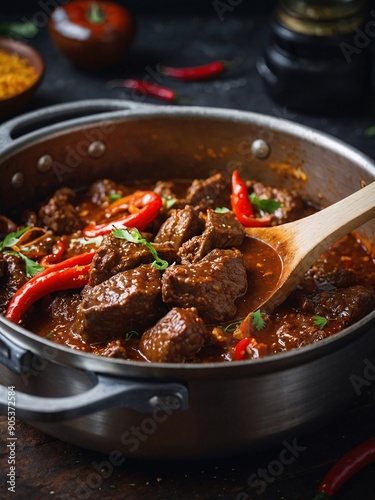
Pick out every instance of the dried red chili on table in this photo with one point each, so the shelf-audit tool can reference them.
(203, 72)
(145, 88)
(350, 463)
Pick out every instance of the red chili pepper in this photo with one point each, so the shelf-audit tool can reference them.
(195, 73)
(241, 205)
(240, 349)
(77, 260)
(56, 255)
(39, 286)
(149, 203)
(350, 463)
(145, 88)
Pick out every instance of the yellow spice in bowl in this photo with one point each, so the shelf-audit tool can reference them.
(16, 74)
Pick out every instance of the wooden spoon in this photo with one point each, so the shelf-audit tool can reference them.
(300, 243)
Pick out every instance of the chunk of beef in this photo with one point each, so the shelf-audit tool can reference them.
(14, 276)
(180, 226)
(211, 285)
(166, 189)
(64, 307)
(349, 304)
(126, 301)
(59, 214)
(115, 255)
(292, 208)
(115, 349)
(177, 337)
(100, 190)
(3, 265)
(222, 230)
(212, 192)
(318, 278)
(6, 226)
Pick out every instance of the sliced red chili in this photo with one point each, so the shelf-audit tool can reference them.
(146, 88)
(240, 349)
(350, 463)
(241, 205)
(56, 255)
(41, 285)
(203, 72)
(149, 204)
(77, 260)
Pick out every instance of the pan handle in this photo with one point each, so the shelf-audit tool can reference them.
(106, 392)
(45, 117)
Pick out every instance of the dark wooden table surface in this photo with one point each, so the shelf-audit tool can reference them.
(48, 468)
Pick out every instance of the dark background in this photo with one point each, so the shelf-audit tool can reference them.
(151, 7)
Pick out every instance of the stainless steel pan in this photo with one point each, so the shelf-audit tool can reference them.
(162, 410)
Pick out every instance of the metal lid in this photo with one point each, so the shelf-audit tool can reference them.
(321, 17)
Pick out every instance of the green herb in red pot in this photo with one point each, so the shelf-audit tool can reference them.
(92, 34)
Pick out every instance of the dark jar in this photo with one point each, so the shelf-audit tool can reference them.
(319, 55)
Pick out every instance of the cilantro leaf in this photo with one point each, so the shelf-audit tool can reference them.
(12, 238)
(257, 319)
(168, 202)
(134, 236)
(113, 197)
(320, 321)
(269, 206)
(221, 210)
(32, 267)
(129, 335)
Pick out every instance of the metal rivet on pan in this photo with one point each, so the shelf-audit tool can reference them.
(44, 163)
(96, 149)
(169, 401)
(17, 180)
(260, 149)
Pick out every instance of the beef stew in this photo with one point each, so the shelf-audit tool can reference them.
(176, 289)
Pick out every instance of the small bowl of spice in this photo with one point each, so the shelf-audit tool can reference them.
(21, 71)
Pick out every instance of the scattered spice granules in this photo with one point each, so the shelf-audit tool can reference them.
(16, 74)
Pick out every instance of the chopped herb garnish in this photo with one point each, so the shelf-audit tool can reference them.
(168, 202)
(12, 239)
(134, 236)
(232, 327)
(221, 210)
(32, 267)
(50, 334)
(257, 319)
(320, 321)
(131, 334)
(28, 29)
(113, 197)
(265, 205)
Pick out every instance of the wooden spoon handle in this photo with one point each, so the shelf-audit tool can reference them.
(300, 243)
(327, 226)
